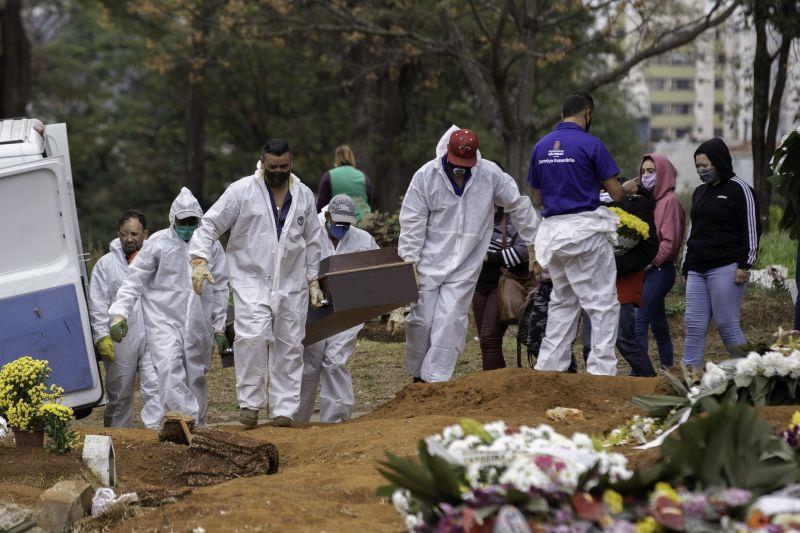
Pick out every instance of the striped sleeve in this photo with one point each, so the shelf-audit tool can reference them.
(750, 225)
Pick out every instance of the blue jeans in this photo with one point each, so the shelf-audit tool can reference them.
(627, 343)
(652, 315)
(713, 294)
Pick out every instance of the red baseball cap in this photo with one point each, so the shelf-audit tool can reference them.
(462, 150)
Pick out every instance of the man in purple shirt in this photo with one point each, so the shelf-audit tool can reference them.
(568, 169)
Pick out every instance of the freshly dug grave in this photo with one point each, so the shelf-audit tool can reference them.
(327, 475)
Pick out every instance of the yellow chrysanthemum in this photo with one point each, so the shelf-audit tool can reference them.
(647, 525)
(56, 411)
(666, 490)
(631, 225)
(795, 419)
(613, 501)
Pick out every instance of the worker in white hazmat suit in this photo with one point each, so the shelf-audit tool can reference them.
(325, 361)
(274, 251)
(181, 326)
(131, 356)
(446, 222)
(575, 240)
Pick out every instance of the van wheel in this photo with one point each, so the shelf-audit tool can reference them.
(82, 413)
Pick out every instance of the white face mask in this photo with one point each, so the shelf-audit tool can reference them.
(649, 181)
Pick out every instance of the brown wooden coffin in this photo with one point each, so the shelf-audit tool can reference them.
(359, 286)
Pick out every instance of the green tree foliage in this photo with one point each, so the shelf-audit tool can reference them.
(118, 74)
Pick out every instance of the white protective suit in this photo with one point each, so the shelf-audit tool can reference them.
(180, 325)
(132, 354)
(269, 278)
(326, 360)
(447, 236)
(577, 249)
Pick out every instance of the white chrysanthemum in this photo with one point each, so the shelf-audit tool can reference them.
(496, 429)
(749, 366)
(3, 427)
(413, 521)
(583, 442)
(713, 377)
(451, 433)
(400, 501)
(775, 364)
(793, 362)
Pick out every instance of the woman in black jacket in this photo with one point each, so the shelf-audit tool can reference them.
(721, 248)
(506, 250)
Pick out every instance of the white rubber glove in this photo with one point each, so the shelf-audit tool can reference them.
(397, 322)
(200, 274)
(315, 294)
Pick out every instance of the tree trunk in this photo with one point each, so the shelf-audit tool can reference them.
(380, 123)
(15, 60)
(195, 110)
(770, 141)
(518, 152)
(761, 81)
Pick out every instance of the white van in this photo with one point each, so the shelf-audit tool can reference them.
(43, 281)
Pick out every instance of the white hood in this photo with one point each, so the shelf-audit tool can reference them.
(441, 148)
(184, 206)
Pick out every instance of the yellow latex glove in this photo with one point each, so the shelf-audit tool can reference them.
(105, 347)
(315, 294)
(119, 328)
(397, 322)
(200, 274)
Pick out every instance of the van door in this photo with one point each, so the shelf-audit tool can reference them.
(43, 310)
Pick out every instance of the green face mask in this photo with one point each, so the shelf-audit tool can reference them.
(185, 232)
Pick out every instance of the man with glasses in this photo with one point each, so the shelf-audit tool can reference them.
(132, 354)
(446, 222)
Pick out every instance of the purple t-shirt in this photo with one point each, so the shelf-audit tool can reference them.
(567, 166)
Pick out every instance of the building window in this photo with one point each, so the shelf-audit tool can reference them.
(683, 84)
(680, 133)
(657, 134)
(656, 84)
(657, 109)
(719, 108)
(720, 58)
(679, 57)
(681, 109)
(719, 83)
(718, 132)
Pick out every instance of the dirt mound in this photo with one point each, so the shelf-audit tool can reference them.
(520, 395)
(327, 476)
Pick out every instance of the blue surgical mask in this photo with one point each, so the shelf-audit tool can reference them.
(338, 231)
(649, 181)
(707, 175)
(185, 232)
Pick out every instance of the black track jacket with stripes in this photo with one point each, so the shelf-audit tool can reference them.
(725, 227)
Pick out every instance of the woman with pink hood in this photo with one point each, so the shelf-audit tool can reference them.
(657, 176)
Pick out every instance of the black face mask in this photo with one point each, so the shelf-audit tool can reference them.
(275, 179)
(588, 122)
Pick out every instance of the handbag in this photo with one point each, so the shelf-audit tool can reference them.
(512, 290)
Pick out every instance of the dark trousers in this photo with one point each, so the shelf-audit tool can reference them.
(653, 315)
(490, 330)
(627, 343)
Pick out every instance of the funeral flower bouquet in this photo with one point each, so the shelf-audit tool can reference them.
(630, 232)
(473, 473)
